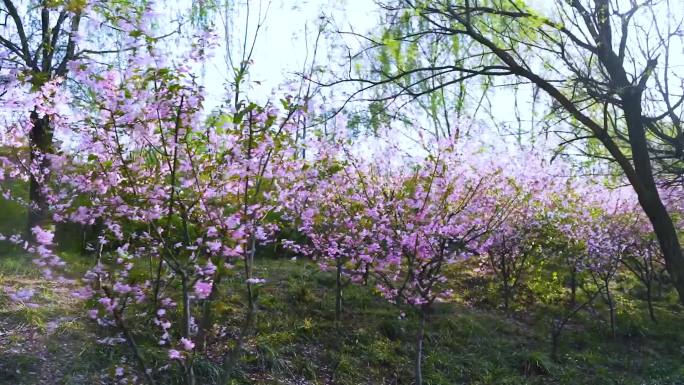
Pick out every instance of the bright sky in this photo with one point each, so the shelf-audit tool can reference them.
(286, 41)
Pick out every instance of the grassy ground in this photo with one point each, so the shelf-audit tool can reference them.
(49, 344)
(298, 341)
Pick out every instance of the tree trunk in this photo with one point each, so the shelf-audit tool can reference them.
(647, 190)
(573, 287)
(506, 299)
(669, 244)
(505, 278)
(338, 293)
(649, 300)
(418, 370)
(555, 340)
(40, 142)
(231, 358)
(611, 309)
(188, 366)
(249, 268)
(556, 330)
(207, 315)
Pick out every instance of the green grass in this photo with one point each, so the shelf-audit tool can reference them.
(297, 340)
(17, 265)
(464, 345)
(48, 344)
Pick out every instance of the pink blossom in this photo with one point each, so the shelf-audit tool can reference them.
(122, 288)
(187, 344)
(83, 293)
(214, 246)
(209, 268)
(43, 237)
(203, 289)
(22, 295)
(211, 231)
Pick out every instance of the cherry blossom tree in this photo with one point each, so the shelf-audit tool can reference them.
(179, 199)
(421, 218)
(606, 245)
(642, 257)
(40, 43)
(516, 241)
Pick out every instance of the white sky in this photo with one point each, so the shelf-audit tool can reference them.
(285, 41)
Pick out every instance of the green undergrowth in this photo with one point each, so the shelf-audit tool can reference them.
(464, 345)
(297, 340)
(45, 340)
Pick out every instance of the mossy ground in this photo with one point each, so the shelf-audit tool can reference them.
(298, 342)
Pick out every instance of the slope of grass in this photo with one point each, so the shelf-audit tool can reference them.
(298, 342)
(463, 345)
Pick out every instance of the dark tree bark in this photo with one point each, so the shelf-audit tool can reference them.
(42, 48)
(41, 145)
(649, 301)
(338, 292)
(420, 336)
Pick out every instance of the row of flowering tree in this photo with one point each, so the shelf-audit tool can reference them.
(403, 226)
(181, 200)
